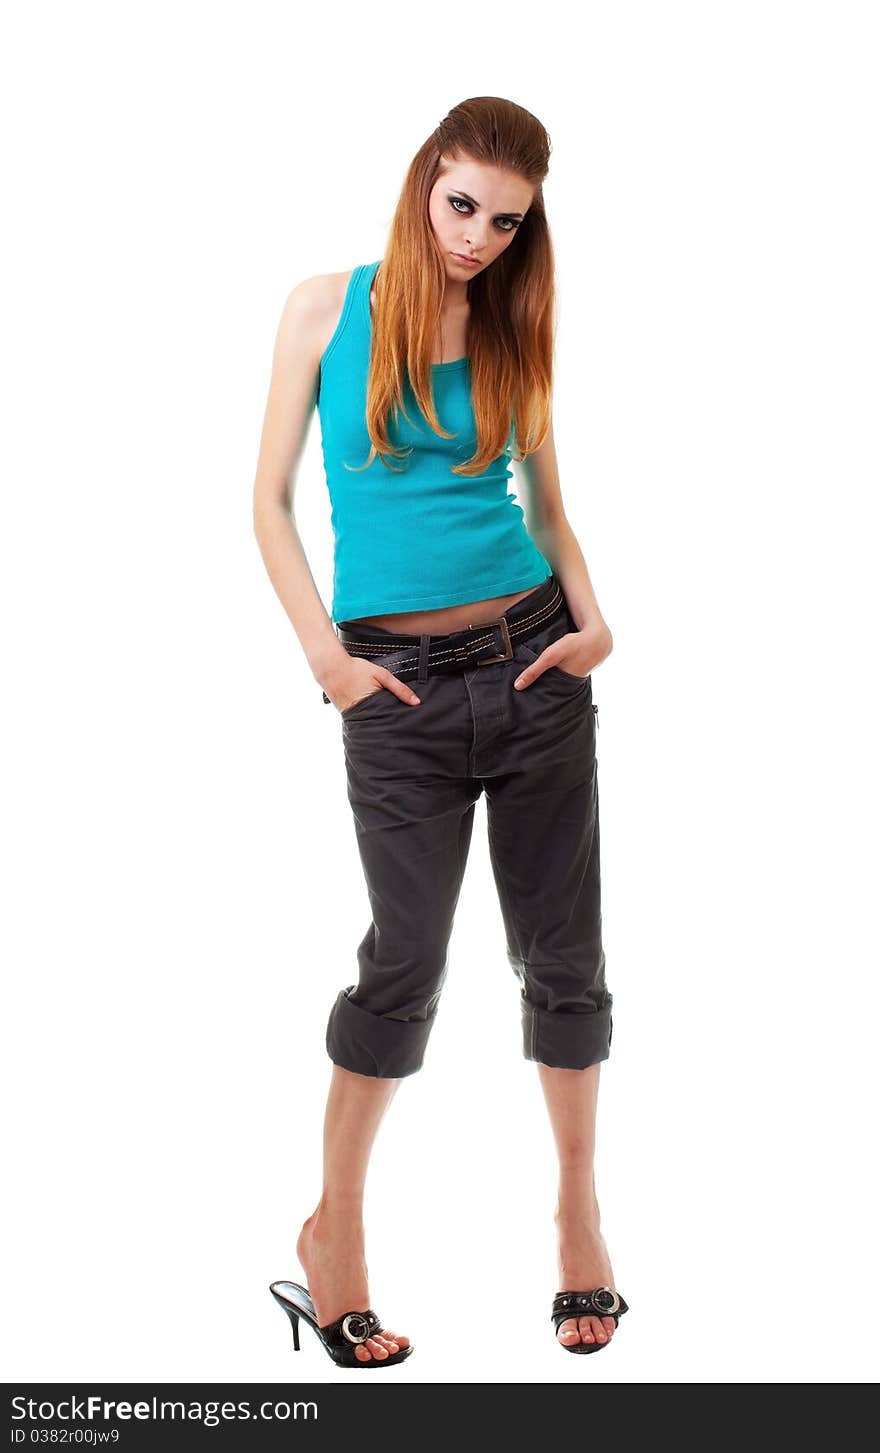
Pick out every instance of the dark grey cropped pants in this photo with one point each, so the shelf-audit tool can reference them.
(414, 776)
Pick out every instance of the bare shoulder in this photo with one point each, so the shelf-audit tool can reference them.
(311, 312)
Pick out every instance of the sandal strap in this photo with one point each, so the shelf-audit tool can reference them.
(350, 1330)
(600, 1302)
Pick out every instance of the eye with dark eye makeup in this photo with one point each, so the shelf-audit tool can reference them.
(456, 201)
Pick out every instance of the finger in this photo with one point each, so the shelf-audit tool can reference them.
(531, 673)
(400, 688)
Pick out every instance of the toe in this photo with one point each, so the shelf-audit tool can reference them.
(568, 1332)
(599, 1330)
(363, 1353)
(387, 1341)
(396, 1337)
(608, 1324)
(378, 1351)
(586, 1329)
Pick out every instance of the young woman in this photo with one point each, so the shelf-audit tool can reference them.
(466, 633)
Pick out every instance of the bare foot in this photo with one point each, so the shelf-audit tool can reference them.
(330, 1248)
(583, 1265)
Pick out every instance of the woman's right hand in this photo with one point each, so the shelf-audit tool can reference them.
(359, 679)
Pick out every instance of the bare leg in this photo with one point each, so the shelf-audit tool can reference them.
(331, 1243)
(572, 1097)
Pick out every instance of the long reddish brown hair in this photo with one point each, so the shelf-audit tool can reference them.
(511, 323)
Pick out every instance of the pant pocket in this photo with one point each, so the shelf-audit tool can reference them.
(389, 661)
(531, 649)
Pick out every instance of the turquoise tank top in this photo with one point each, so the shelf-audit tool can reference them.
(421, 537)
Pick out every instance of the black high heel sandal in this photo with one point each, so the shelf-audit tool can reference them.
(601, 1302)
(340, 1337)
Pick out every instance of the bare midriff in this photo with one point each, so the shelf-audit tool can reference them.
(448, 618)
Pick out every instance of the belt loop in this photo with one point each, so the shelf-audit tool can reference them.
(424, 643)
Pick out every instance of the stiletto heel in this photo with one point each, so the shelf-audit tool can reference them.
(292, 1314)
(294, 1322)
(341, 1337)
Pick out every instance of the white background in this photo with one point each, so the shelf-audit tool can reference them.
(183, 893)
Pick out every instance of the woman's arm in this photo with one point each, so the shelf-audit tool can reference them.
(307, 323)
(548, 525)
(299, 343)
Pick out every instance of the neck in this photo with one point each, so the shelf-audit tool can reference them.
(455, 298)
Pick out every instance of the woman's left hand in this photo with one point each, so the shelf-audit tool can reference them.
(578, 653)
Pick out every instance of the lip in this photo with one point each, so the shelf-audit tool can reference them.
(467, 261)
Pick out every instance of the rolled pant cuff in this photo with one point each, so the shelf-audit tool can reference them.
(369, 1044)
(566, 1041)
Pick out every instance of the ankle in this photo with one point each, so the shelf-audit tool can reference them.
(339, 1205)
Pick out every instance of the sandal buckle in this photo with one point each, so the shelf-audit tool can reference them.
(355, 1327)
(605, 1301)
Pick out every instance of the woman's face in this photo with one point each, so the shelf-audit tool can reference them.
(475, 209)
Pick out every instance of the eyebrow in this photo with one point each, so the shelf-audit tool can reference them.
(473, 200)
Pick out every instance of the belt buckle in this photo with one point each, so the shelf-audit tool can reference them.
(507, 653)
